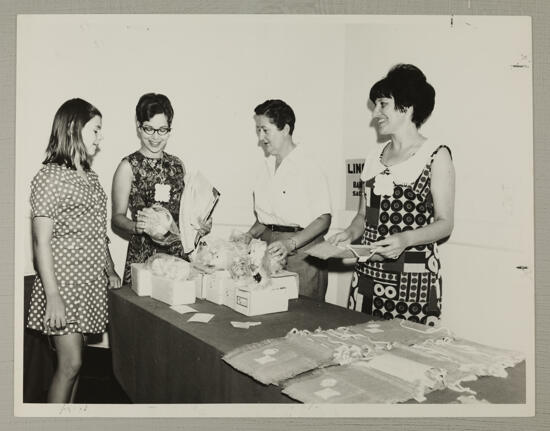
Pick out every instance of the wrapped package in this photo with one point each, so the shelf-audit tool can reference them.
(216, 253)
(242, 279)
(167, 266)
(172, 279)
(165, 230)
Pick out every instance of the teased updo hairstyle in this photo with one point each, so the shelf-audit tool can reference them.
(278, 112)
(151, 104)
(66, 145)
(408, 87)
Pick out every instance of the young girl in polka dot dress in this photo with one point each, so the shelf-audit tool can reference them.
(406, 207)
(74, 266)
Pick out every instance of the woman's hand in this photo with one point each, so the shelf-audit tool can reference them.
(114, 279)
(145, 222)
(55, 312)
(340, 239)
(281, 249)
(391, 247)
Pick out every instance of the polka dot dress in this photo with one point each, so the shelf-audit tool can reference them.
(410, 286)
(78, 209)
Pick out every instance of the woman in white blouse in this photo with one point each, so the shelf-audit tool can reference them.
(291, 198)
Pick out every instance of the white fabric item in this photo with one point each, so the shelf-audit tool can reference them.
(294, 195)
(197, 202)
(410, 371)
(403, 173)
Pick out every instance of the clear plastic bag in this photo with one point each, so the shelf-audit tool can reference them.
(165, 265)
(165, 231)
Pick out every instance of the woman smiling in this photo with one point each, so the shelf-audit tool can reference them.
(291, 198)
(406, 207)
(146, 178)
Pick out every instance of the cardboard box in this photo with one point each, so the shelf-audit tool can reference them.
(173, 292)
(287, 279)
(215, 286)
(253, 301)
(141, 279)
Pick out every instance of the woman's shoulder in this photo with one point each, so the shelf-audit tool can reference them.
(305, 156)
(50, 175)
(174, 160)
(136, 155)
(51, 170)
(440, 150)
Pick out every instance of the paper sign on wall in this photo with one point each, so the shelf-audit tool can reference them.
(354, 167)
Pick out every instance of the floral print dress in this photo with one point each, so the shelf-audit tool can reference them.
(398, 198)
(148, 173)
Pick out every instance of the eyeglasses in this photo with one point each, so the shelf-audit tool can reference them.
(151, 130)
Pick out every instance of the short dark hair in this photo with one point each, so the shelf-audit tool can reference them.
(408, 87)
(66, 135)
(278, 112)
(151, 104)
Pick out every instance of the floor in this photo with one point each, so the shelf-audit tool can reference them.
(97, 382)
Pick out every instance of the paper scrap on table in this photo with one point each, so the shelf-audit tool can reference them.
(182, 309)
(245, 325)
(200, 317)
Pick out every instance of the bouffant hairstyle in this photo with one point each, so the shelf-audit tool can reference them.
(408, 87)
(65, 146)
(151, 104)
(278, 112)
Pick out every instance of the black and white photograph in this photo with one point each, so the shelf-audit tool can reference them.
(274, 216)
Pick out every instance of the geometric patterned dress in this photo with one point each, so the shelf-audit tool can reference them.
(147, 173)
(409, 287)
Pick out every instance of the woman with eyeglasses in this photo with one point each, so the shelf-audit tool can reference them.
(148, 177)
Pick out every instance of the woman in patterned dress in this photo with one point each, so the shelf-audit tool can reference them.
(69, 223)
(406, 207)
(148, 177)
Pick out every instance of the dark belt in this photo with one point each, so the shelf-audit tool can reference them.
(279, 228)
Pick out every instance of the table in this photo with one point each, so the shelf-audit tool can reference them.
(159, 357)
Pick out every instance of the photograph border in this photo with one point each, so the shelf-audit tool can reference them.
(539, 11)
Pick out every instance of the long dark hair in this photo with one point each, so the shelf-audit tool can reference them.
(65, 144)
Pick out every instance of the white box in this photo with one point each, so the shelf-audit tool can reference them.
(214, 286)
(229, 286)
(253, 301)
(200, 291)
(287, 279)
(173, 292)
(141, 279)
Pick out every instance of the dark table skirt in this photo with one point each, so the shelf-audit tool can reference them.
(159, 357)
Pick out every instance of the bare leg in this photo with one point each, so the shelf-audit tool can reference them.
(77, 380)
(69, 361)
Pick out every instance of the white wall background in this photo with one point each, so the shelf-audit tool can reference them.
(216, 69)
